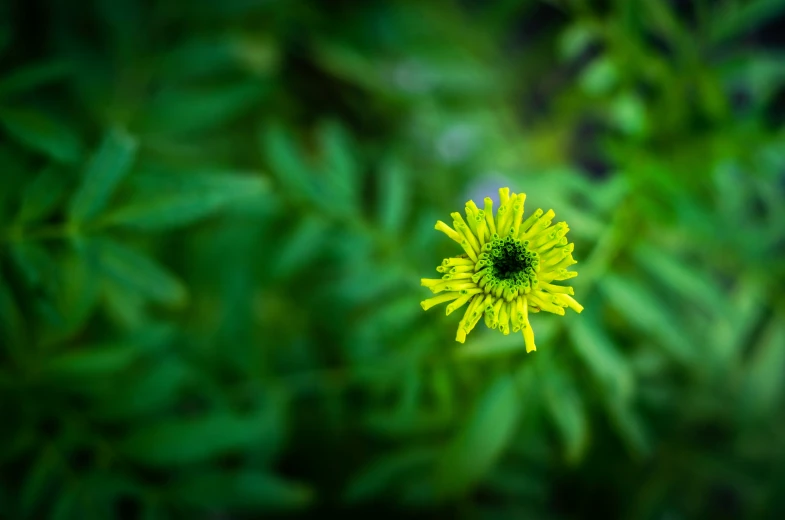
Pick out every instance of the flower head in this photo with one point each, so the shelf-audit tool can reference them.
(508, 268)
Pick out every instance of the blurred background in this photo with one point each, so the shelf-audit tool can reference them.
(214, 216)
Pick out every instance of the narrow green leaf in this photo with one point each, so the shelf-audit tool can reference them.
(42, 133)
(731, 22)
(762, 386)
(691, 283)
(615, 377)
(37, 481)
(487, 346)
(152, 390)
(186, 111)
(633, 301)
(137, 272)
(346, 63)
(393, 196)
(32, 76)
(166, 201)
(600, 76)
(575, 40)
(386, 473)
(107, 167)
(628, 112)
(566, 407)
(442, 389)
(243, 490)
(37, 266)
(728, 336)
(280, 150)
(630, 427)
(512, 482)
(12, 333)
(761, 73)
(341, 166)
(42, 196)
(125, 307)
(185, 441)
(303, 247)
(411, 423)
(601, 356)
(77, 295)
(65, 504)
(93, 361)
(198, 57)
(483, 439)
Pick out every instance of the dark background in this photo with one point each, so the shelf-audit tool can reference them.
(214, 216)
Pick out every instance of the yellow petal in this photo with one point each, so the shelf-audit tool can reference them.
(489, 215)
(430, 302)
(457, 304)
(570, 302)
(447, 230)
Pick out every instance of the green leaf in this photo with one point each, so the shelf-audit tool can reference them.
(152, 390)
(576, 40)
(341, 166)
(393, 197)
(630, 427)
(566, 408)
(615, 377)
(32, 76)
(303, 247)
(346, 63)
(243, 490)
(731, 22)
(481, 441)
(601, 356)
(280, 150)
(93, 361)
(387, 473)
(65, 504)
(42, 196)
(407, 423)
(107, 167)
(125, 307)
(203, 57)
(761, 73)
(106, 487)
(178, 441)
(488, 346)
(138, 273)
(690, 283)
(166, 201)
(185, 111)
(37, 266)
(77, 296)
(37, 480)
(12, 331)
(628, 113)
(762, 386)
(512, 482)
(633, 301)
(599, 77)
(729, 336)
(42, 133)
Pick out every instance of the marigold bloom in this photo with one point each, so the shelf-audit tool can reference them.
(508, 268)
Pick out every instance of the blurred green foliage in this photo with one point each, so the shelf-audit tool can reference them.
(214, 217)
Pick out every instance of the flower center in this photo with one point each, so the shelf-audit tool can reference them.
(507, 267)
(509, 258)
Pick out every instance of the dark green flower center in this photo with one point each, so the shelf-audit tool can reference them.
(510, 258)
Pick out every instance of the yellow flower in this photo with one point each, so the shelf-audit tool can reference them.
(508, 268)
